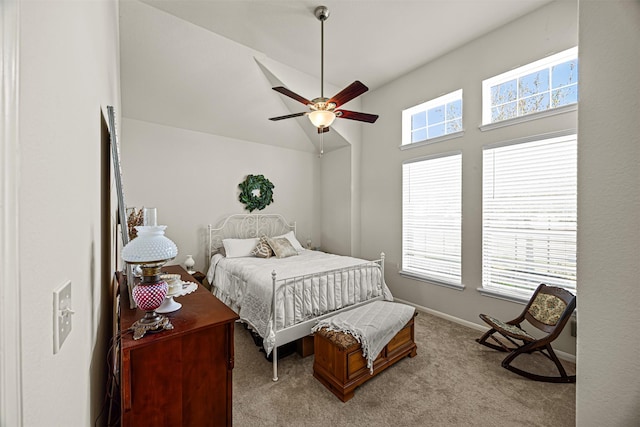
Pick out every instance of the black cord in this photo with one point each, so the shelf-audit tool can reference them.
(112, 382)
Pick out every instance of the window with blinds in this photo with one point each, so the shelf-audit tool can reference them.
(529, 216)
(431, 219)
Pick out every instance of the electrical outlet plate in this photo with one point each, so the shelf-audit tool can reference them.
(61, 315)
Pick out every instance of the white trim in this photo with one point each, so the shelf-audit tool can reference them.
(414, 276)
(531, 138)
(442, 138)
(10, 325)
(482, 328)
(432, 156)
(503, 295)
(529, 117)
(446, 316)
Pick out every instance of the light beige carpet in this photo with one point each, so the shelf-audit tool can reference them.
(453, 381)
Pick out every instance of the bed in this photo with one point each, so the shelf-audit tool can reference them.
(281, 299)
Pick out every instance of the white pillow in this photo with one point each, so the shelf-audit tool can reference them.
(291, 237)
(281, 247)
(238, 248)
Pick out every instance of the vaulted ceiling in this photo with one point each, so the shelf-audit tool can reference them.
(208, 66)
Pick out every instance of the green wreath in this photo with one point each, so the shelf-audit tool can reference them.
(256, 192)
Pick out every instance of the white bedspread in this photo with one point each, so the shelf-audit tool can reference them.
(245, 285)
(373, 325)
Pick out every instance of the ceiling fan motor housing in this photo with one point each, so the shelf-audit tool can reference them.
(322, 104)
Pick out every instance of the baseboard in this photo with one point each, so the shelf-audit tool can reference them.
(478, 327)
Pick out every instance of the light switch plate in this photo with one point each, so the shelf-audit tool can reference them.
(61, 315)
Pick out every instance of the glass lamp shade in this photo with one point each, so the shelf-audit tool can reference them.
(150, 247)
(322, 118)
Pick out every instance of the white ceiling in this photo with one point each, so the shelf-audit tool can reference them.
(209, 66)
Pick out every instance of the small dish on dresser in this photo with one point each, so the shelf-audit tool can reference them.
(184, 289)
(169, 305)
(174, 282)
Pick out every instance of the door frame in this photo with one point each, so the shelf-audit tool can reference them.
(11, 412)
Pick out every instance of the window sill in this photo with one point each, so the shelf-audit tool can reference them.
(456, 286)
(529, 117)
(442, 138)
(513, 297)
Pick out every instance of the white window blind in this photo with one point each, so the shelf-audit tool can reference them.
(529, 216)
(431, 218)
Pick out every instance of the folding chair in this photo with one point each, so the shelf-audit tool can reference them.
(548, 310)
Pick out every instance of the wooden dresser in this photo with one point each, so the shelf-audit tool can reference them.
(179, 377)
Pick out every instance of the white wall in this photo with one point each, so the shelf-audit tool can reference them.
(192, 179)
(550, 29)
(608, 390)
(336, 202)
(69, 73)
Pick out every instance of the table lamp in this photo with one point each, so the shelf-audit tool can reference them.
(150, 250)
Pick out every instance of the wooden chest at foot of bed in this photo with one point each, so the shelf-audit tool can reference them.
(340, 366)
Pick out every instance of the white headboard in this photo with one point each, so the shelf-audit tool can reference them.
(245, 226)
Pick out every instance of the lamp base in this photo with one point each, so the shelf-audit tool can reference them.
(151, 322)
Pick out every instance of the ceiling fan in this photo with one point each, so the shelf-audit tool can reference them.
(323, 111)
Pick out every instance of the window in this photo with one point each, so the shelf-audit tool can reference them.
(529, 216)
(540, 86)
(431, 219)
(432, 119)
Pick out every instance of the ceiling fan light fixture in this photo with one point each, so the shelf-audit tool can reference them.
(322, 118)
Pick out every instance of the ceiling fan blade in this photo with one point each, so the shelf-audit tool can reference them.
(288, 116)
(323, 130)
(283, 90)
(354, 90)
(354, 115)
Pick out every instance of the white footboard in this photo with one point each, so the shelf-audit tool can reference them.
(300, 302)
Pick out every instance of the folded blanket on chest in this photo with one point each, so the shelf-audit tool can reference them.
(373, 325)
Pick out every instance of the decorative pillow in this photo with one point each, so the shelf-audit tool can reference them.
(292, 239)
(220, 251)
(282, 247)
(262, 250)
(238, 248)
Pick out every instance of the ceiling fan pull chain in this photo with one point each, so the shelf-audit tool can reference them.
(321, 144)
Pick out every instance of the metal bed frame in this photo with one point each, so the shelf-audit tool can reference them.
(245, 226)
